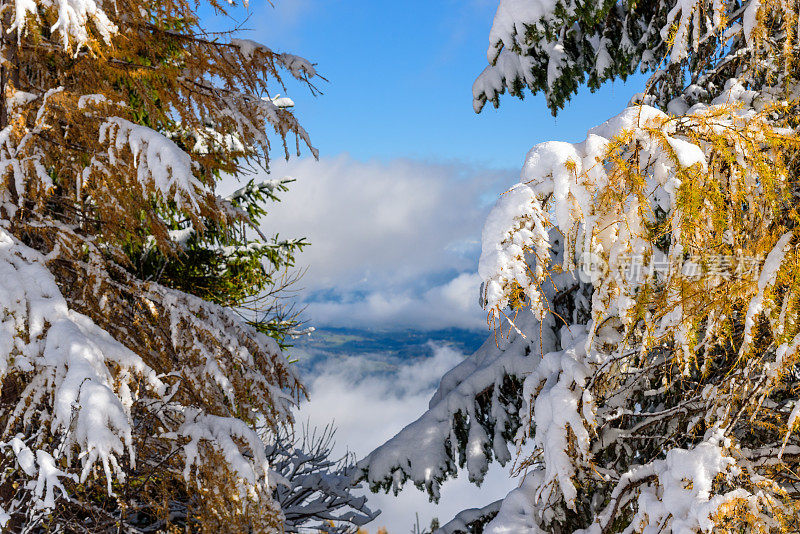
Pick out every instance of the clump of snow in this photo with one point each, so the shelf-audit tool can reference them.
(298, 66)
(74, 18)
(518, 510)
(161, 164)
(514, 227)
(750, 20)
(678, 493)
(765, 280)
(48, 481)
(94, 99)
(562, 412)
(504, 71)
(248, 47)
(199, 427)
(510, 20)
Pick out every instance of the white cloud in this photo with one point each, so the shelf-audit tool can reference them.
(453, 304)
(393, 244)
(370, 409)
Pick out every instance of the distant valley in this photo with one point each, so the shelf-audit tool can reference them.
(379, 350)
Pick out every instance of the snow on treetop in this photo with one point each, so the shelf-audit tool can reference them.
(630, 117)
(74, 17)
(298, 66)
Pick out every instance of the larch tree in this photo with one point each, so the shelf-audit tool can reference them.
(644, 284)
(134, 381)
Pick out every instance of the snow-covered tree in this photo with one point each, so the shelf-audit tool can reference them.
(643, 285)
(315, 491)
(131, 389)
(554, 46)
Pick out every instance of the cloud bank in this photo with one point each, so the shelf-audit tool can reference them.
(368, 409)
(393, 244)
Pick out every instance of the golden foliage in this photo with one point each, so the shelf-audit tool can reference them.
(712, 339)
(81, 179)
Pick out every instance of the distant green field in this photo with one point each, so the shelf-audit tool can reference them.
(331, 339)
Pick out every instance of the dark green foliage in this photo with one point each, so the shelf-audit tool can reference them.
(234, 265)
(598, 42)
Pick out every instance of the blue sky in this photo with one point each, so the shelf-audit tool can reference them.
(400, 81)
